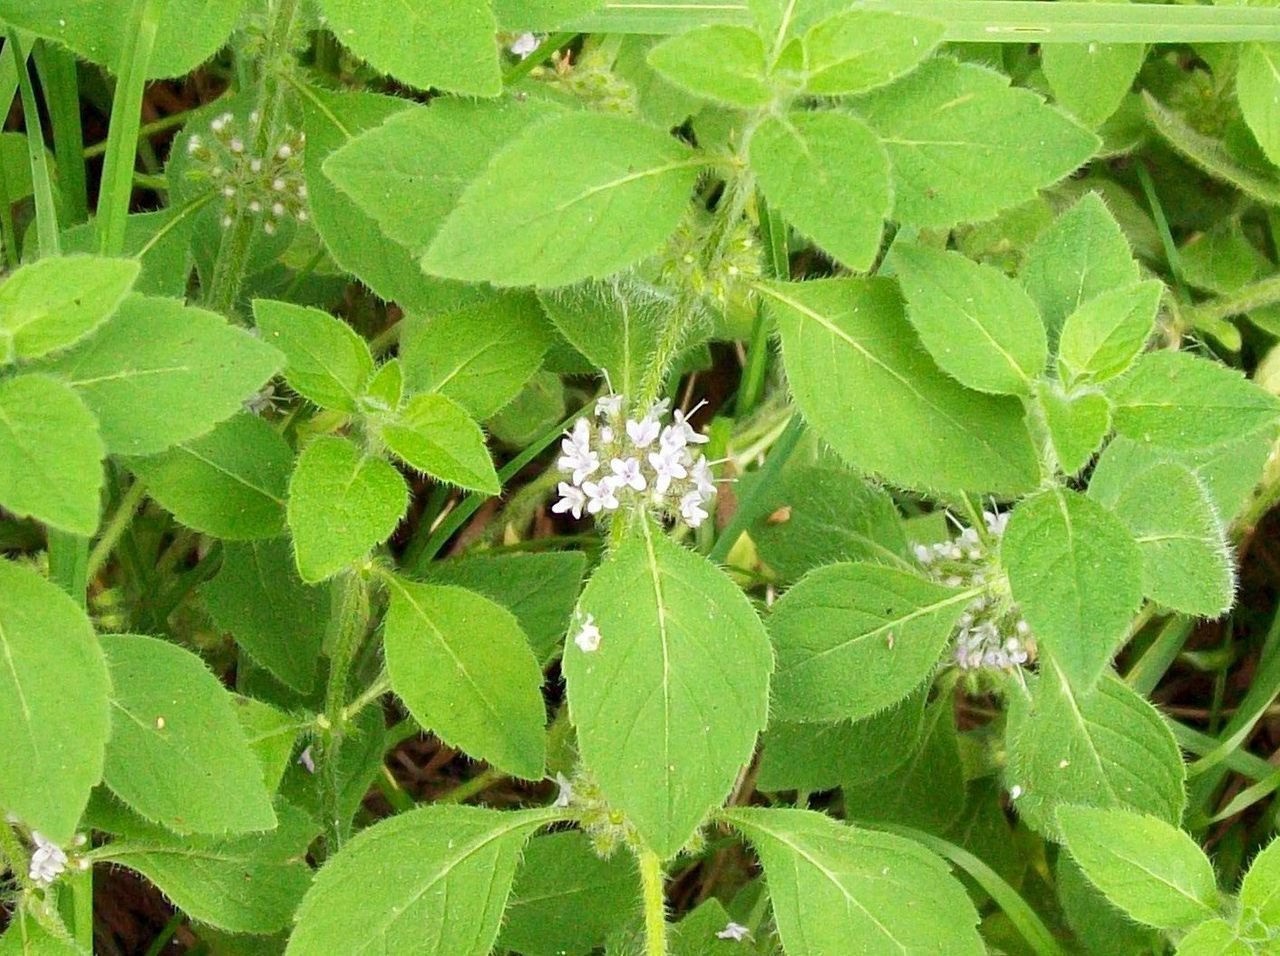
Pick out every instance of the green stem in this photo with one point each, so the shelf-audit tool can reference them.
(350, 624)
(371, 694)
(46, 212)
(61, 85)
(15, 857)
(81, 882)
(147, 130)
(472, 788)
(655, 903)
(116, 189)
(748, 506)
(1253, 296)
(8, 231)
(774, 232)
(165, 935)
(237, 239)
(115, 528)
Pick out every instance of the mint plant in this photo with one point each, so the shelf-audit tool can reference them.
(582, 477)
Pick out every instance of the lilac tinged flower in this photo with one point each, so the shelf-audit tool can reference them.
(668, 465)
(572, 499)
(627, 473)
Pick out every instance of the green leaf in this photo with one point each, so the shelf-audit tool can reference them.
(539, 589)
(352, 236)
(433, 434)
(50, 454)
(1100, 928)
(54, 710)
(927, 791)
(1186, 559)
(159, 373)
(698, 932)
(722, 63)
(258, 598)
(1110, 748)
(26, 937)
(326, 362)
(1214, 937)
(186, 34)
(1260, 889)
(1228, 472)
(271, 734)
(1151, 870)
(1077, 422)
(668, 706)
(385, 391)
(465, 670)
(825, 756)
(480, 356)
(1178, 401)
(579, 196)
(342, 504)
(848, 348)
(1081, 256)
(964, 145)
(861, 49)
(1104, 336)
(852, 639)
(1258, 90)
(978, 324)
(836, 889)
(1209, 154)
(820, 514)
(440, 44)
(230, 483)
(1076, 573)
(53, 303)
(431, 881)
(251, 884)
(614, 324)
(159, 242)
(409, 173)
(541, 14)
(566, 900)
(177, 754)
(1091, 79)
(828, 175)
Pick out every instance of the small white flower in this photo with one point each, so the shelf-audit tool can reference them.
(48, 861)
(524, 44)
(588, 636)
(255, 165)
(578, 456)
(219, 123)
(269, 228)
(701, 475)
(600, 496)
(643, 433)
(236, 145)
(734, 931)
(1015, 792)
(306, 761)
(606, 435)
(572, 499)
(229, 192)
(285, 151)
(659, 408)
(923, 553)
(680, 421)
(193, 144)
(565, 796)
(608, 406)
(627, 473)
(255, 206)
(668, 466)
(691, 509)
(301, 216)
(302, 191)
(277, 209)
(672, 437)
(278, 184)
(996, 521)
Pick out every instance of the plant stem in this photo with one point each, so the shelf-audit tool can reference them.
(147, 130)
(115, 528)
(82, 907)
(471, 788)
(57, 68)
(655, 903)
(774, 232)
(14, 857)
(371, 694)
(116, 189)
(237, 238)
(42, 188)
(1255, 295)
(350, 623)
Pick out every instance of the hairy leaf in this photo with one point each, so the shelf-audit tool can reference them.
(326, 361)
(53, 303)
(722, 63)
(434, 434)
(861, 49)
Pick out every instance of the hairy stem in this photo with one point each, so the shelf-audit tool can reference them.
(1255, 295)
(655, 903)
(350, 625)
(237, 238)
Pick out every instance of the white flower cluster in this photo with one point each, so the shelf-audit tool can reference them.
(991, 634)
(525, 44)
(272, 186)
(47, 862)
(635, 461)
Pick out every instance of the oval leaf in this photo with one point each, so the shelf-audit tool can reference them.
(55, 302)
(433, 434)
